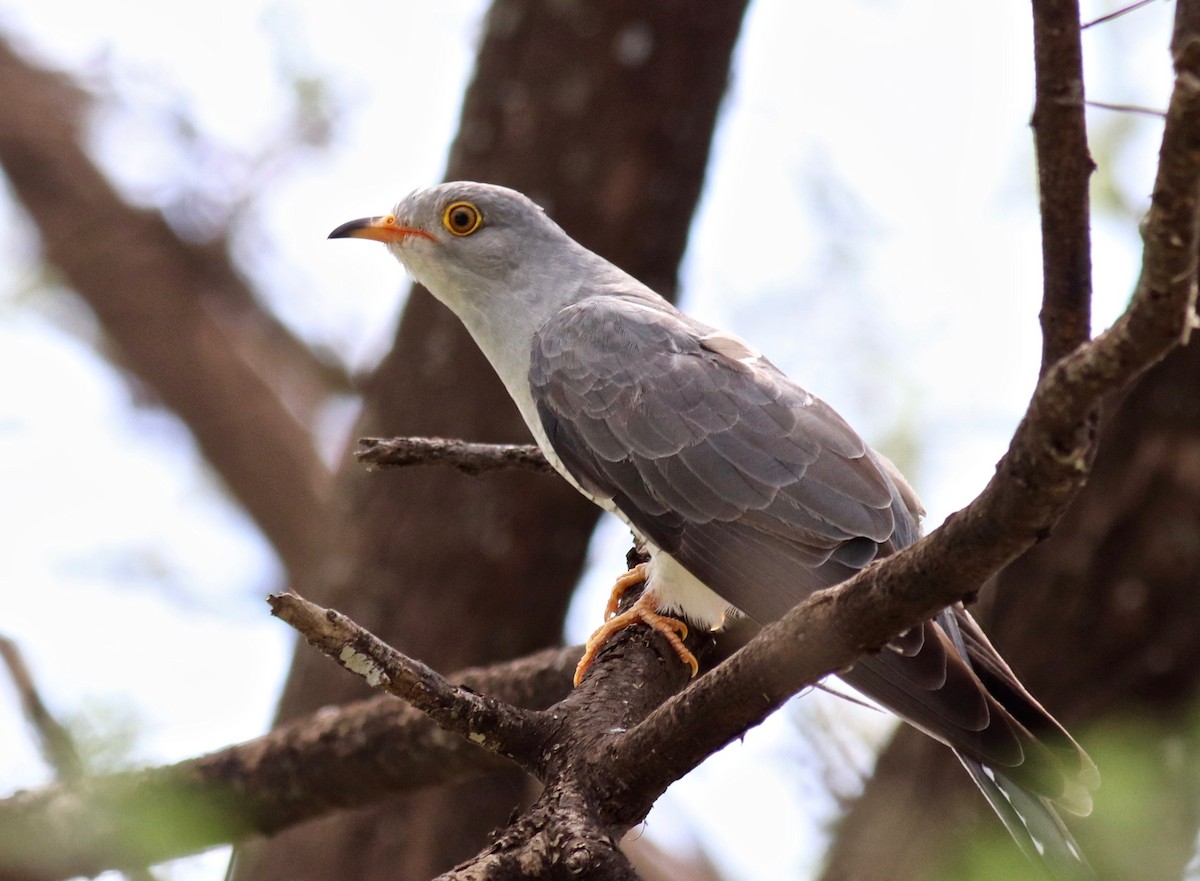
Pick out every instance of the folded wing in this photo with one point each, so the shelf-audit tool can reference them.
(765, 494)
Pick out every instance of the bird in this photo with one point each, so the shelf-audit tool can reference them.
(747, 492)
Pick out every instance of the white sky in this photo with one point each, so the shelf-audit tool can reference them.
(911, 295)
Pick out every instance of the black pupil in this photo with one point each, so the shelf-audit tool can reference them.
(461, 218)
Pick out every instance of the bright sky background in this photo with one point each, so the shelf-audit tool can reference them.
(869, 222)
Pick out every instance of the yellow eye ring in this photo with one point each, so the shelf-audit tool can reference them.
(462, 218)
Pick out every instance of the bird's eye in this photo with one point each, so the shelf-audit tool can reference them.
(462, 218)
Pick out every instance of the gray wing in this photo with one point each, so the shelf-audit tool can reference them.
(757, 487)
(765, 494)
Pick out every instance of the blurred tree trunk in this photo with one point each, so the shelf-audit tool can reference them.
(602, 112)
(177, 314)
(1100, 622)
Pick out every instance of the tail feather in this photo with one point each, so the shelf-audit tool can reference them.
(1032, 822)
(946, 679)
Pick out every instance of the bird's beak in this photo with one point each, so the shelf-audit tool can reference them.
(380, 229)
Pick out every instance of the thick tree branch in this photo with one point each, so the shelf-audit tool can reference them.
(467, 457)
(1044, 467)
(1057, 615)
(1186, 27)
(181, 317)
(1064, 167)
(566, 833)
(344, 758)
(335, 759)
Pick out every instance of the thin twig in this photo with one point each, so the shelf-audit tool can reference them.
(1127, 108)
(470, 458)
(56, 742)
(494, 725)
(1125, 10)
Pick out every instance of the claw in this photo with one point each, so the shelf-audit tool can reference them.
(641, 612)
(636, 575)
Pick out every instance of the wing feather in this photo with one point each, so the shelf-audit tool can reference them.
(685, 438)
(765, 494)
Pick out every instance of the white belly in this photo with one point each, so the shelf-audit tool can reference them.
(678, 592)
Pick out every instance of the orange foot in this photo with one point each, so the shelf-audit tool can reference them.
(636, 575)
(641, 612)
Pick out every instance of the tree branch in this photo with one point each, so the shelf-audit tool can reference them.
(1057, 616)
(348, 757)
(1124, 10)
(1064, 167)
(58, 747)
(494, 725)
(1043, 468)
(565, 833)
(1186, 27)
(469, 458)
